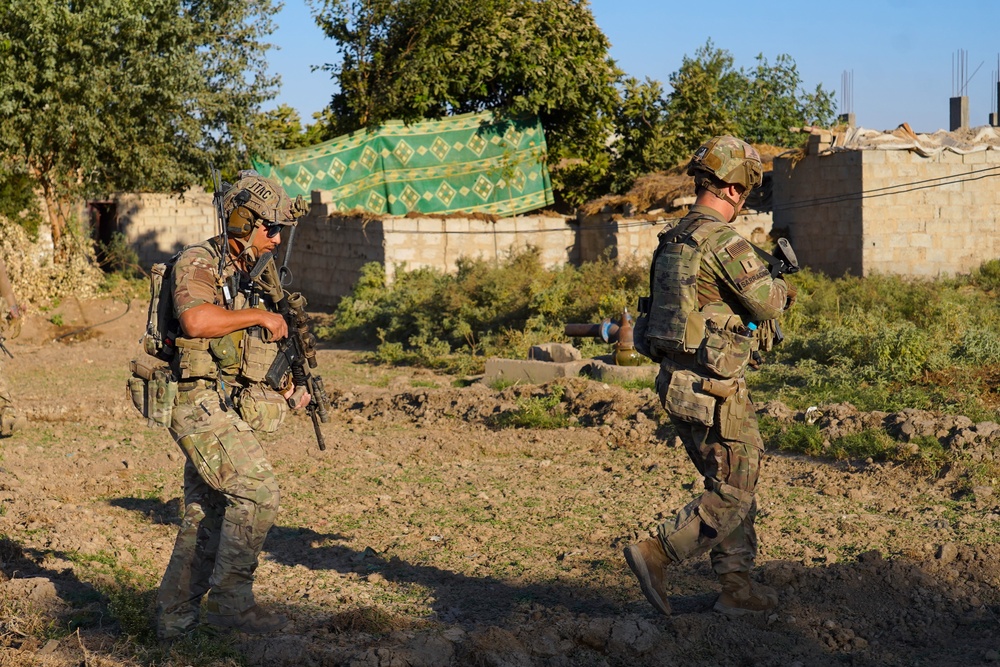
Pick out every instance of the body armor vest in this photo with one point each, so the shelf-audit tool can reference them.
(242, 355)
(676, 324)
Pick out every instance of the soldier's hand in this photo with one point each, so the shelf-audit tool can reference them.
(297, 397)
(790, 295)
(275, 324)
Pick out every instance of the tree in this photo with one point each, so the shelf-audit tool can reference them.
(415, 59)
(642, 142)
(107, 95)
(711, 97)
(773, 101)
(701, 104)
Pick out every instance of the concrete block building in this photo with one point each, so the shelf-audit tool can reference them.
(912, 205)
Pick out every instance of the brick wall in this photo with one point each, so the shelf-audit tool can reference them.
(629, 239)
(816, 199)
(945, 223)
(329, 251)
(158, 225)
(890, 211)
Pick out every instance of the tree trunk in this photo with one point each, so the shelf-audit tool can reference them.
(55, 207)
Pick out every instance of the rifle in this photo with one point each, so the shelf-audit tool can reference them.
(784, 262)
(297, 353)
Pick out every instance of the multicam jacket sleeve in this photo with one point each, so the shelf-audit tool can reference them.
(737, 266)
(195, 279)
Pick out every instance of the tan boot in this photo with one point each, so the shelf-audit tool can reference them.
(253, 621)
(741, 595)
(10, 421)
(648, 562)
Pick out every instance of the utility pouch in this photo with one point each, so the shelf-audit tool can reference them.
(641, 327)
(225, 352)
(261, 408)
(683, 399)
(153, 391)
(257, 358)
(734, 413)
(194, 360)
(725, 353)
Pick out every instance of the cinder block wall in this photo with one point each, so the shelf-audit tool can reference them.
(630, 239)
(817, 199)
(329, 251)
(930, 216)
(158, 225)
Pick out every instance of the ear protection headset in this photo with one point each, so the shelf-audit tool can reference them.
(240, 222)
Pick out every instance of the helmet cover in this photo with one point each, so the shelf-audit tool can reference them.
(729, 160)
(265, 199)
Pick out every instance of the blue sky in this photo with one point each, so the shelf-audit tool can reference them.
(900, 52)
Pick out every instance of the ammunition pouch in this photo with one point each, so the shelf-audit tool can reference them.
(153, 390)
(193, 359)
(258, 355)
(224, 352)
(264, 410)
(683, 397)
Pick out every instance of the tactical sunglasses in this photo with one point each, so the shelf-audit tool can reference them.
(272, 230)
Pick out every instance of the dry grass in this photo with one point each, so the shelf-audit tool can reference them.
(660, 189)
(370, 620)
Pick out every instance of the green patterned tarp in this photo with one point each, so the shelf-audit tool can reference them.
(461, 163)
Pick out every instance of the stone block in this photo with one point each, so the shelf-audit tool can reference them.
(605, 372)
(556, 352)
(530, 371)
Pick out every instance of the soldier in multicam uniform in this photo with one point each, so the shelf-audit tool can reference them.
(227, 344)
(711, 296)
(10, 418)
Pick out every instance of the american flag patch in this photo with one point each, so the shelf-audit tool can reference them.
(737, 248)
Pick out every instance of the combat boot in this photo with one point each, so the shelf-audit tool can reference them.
(649, 562)
(253, 621)
(10, 421)
(741, 595)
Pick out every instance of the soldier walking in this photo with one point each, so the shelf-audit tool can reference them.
(711, 298)
(227, 342)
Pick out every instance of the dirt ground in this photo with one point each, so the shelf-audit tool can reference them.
(424, 537)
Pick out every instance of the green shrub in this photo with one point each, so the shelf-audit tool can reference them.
(875, 444)
(987, 276)
(797, 437)
(534, 412)
(485, 309)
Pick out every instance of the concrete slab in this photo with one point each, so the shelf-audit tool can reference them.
(605, 372)
(530, 371)
(557, 352)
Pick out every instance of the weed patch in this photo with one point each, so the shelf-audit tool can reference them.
(543, 412)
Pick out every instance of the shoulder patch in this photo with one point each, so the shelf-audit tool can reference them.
(737, 248)
(745, 282)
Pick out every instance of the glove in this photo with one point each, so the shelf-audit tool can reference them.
(790, 295)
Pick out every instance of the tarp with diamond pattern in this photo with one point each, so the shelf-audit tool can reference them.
(459, 163)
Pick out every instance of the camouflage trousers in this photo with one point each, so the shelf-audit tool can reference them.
(721, 519)
(230, 501)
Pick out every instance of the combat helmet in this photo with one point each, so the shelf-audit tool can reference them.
(727, 160)
(253, 200)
